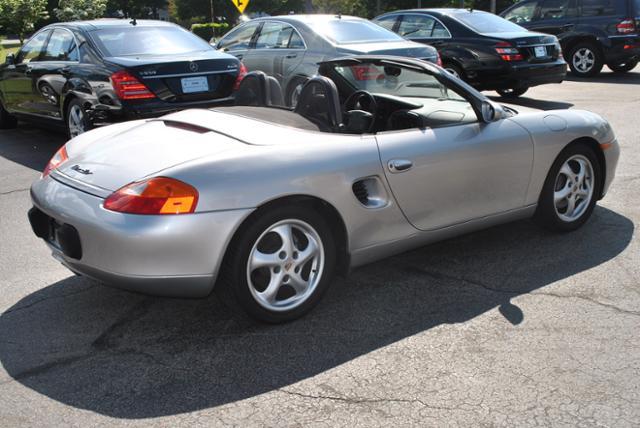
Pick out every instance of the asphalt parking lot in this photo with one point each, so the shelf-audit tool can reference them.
(512, 326)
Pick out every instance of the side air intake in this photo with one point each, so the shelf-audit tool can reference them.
(370, 192)
(361, 192)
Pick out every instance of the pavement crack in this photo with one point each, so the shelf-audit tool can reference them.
(45, 299)
(106, 339)
(42, 368)
(587, 299)
(8, 192)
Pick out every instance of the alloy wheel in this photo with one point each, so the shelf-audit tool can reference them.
(573, 188)
(76, 121)
(452, 71)
(583, 60)
(285, 265)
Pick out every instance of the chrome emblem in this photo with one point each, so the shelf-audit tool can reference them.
(193, 66)
(80, 170)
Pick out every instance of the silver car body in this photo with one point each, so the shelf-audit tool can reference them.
(290, 65)
(464, 177)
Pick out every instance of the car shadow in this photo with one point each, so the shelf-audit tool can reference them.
(606, 76)
(533, 103)
(132, 356)
(17, 145)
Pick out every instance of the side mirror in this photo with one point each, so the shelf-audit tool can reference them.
(488, 112)
(11, 59)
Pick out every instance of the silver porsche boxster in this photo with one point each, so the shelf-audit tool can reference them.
(380, 155)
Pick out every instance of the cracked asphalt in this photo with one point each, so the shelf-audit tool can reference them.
(511, 326)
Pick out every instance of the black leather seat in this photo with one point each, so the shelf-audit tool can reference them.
(259, 90)
(319, 102)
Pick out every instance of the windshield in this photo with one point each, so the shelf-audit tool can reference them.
(128, 41)
(384, 78)
(484, 22)
(343, 31)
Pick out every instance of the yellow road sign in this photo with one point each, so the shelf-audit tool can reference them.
(241, 5)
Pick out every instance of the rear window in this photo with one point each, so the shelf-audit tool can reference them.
(343, 31)
(483, 22)
(131, 41)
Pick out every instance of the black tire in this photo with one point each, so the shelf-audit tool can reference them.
(512, 92)
(7, 120)
(454, 69)
(593, 52)
(293, 90)
(623, 67)
(76, 105)
(547, 215)
(235, 285)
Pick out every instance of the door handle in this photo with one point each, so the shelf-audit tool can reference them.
(399, 165)
(291, 56)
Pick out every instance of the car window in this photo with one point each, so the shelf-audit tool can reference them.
(142, 40)
(523, 13)
(238, 39)
(32, 50)
(599, 8)
(274, 35)
(61, 47)
(555, 9)
(484, 23)
(296, 41)
(388, 21)
(342, 31)
(416, 26)
(440, 31)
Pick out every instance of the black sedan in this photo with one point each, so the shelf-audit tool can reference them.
(487, 51)
(78, 75)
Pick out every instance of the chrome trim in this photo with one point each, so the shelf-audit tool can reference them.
(82, 186)
(280, 49)
(164, 76)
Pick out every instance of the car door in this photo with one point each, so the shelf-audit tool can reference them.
(18, 83)
(554, 17)
(523, 14)
(51, 73)
(441, 176)
(279, 50)
(238, 41)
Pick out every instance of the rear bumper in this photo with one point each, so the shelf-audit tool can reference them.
(521, 75)
(161, 255)
(622, 48)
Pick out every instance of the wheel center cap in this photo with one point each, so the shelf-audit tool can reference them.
(288, 265)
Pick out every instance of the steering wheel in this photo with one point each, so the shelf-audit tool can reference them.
(371, 106)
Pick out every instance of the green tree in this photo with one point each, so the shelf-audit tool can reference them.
(76, 10)
(136, 8)
(19, 16)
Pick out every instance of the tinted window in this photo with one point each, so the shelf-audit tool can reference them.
(33, 48)
(342, 31)
(296, 41)
(238, 39)
(555, 9)
(416, 26)
(274, 35)
(598, 8)
(523, 13)
(483, 22)
(125, 41)
(61, 47)
(388, 22)
(439, 31)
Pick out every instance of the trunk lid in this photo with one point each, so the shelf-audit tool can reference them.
(526, 42)
(400, 48)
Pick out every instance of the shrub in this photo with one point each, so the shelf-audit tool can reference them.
(209, 29)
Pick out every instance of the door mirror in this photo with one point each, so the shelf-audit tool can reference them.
(488, 112)
(11, 59)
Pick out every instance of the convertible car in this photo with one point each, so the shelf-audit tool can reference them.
(380, 155)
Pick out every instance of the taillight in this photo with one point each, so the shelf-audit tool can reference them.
(438, 60)
(158, 195)
(365, 72)
(242, 71)
(626, 26)
(128, 87)
(58, 159)
(507, 52)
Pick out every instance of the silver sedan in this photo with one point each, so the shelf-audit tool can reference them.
(380, 155)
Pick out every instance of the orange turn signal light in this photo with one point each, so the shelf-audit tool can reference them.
(58, 159)
(157, 195)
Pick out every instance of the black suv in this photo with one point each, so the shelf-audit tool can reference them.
(592, 32)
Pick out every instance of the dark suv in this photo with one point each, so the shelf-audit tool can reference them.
(592, 32)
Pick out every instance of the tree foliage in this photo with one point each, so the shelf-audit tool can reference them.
(20, 16)
(136, 8)
(76, 10)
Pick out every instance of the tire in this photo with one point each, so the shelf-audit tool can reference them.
(76, 119)
(7, 120)
(554, 210)
(259, 260)
(512, 92)
(585, 59)
(623, 67)
(293, 90)
(454, 69)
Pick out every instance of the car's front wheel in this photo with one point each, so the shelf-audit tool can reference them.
(623, 67)
(570, 190)
(281, 264)
(512, 92)
(7, 121)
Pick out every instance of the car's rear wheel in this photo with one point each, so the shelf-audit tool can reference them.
(624, 66)
(294, 89)
(454, 69)
(281, 264)
(76, 118)
(570, 190)
(585, 59)
(7, 120)
(512, 92)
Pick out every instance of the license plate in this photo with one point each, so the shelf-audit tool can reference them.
(194, 84)
(540, 51)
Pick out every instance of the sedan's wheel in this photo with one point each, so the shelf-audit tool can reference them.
(77, 120)
(571, 189)
(512, 92)
(623, 67)
(48, 93)
(294, 90)
(585, 60)
(281, 264)
(7, 121)
(455, 70)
